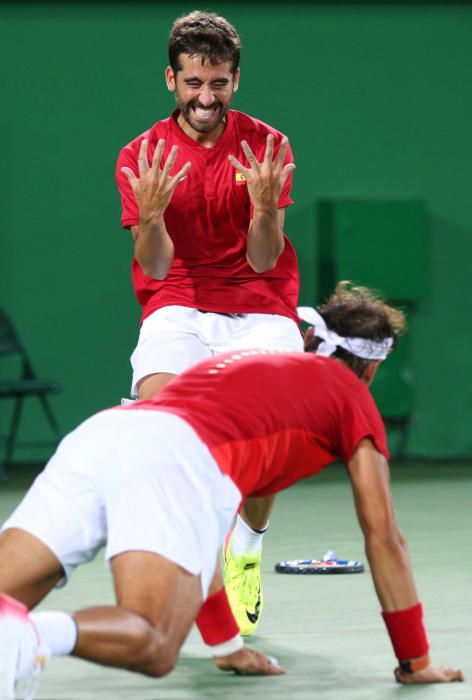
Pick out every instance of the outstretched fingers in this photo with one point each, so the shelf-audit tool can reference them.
(273, 164)
(157, 157)
(253, 162)
(287, 169)
(143, 165)
(239, 166)
(169, 164)
(281, 154)
(163, 176)
(181, 175)
(269, 152)
(132, 179)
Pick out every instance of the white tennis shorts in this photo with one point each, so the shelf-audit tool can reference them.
(131, 481)
(174, 338)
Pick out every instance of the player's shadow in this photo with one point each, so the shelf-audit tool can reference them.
(303, 673)
(306, 675)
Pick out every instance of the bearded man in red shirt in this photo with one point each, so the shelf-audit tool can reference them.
(204, 193)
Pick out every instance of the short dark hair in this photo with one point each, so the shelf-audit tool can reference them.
(358, 312)
(204, 34)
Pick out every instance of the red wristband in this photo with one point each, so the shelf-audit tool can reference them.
(216, 621)
(407, 632)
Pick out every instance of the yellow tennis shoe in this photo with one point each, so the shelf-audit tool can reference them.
(243, 587)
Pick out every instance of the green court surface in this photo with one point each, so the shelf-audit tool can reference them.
(325, 630)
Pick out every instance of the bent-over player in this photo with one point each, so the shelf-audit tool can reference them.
(158, 483)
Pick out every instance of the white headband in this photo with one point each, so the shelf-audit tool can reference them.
(361, 347)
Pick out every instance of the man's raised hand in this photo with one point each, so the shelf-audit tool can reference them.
(154, 187)
(265, 179)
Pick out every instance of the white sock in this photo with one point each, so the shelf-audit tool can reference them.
(245, 540)
(27, 651)
(57, 630)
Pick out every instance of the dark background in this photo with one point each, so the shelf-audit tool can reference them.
(377, 101)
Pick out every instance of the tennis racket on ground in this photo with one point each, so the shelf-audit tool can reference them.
(328, 564)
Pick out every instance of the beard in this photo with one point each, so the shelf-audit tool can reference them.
(215, 114)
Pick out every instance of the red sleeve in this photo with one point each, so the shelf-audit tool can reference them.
(128, 157)
(361, 419)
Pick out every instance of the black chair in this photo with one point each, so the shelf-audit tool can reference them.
(26, 385)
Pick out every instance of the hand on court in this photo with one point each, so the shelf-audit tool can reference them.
(249, 662)
(154, 187)
(432, 674)
(265, 180)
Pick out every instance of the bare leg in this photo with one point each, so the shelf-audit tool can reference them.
(256, 511)
(28, 568)
(152, 383)
(157, 602)
(217, 581)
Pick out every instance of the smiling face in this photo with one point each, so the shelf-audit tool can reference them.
(203, 92)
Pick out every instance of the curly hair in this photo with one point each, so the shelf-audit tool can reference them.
(358, 312)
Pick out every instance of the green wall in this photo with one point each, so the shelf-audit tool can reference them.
(377, 101)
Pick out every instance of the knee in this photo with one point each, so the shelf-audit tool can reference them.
(160, 661)
(153, 653)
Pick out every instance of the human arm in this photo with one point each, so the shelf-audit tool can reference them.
(265, 241)
(220, 632)
(389, 561)
(153, 247)
(265, 181)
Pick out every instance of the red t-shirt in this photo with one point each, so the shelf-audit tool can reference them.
(272, 418)
(208, 220)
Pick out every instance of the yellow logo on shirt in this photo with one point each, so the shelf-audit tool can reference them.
(239, 177)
